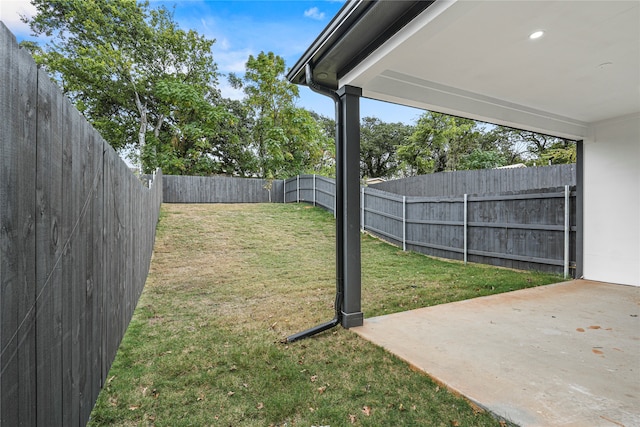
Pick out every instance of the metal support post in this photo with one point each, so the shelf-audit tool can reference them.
(579, 209)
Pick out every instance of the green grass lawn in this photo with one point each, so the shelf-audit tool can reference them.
(229, 282)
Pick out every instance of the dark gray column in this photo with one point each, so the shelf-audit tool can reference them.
(349, 151)
(579, 209)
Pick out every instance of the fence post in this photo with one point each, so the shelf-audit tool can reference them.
(465, 229)
(314, 189)
(298, 189)
(404, 223)
(362, 211)
(567, 229)
(284, 191)
(335, 199)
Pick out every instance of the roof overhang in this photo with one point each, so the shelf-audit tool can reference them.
(358, 29)
(475, 59)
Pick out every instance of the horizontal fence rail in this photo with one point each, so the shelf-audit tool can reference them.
(76, 235)
(529, 230)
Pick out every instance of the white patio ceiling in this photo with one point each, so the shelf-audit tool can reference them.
(475, 59)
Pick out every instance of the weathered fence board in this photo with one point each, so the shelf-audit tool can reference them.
(49, 240)
(76, 236)
(17, 231)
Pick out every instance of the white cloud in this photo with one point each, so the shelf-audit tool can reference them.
(230, 60)
(10, 12)
(314, 13)
(228, 91)
(223, 44)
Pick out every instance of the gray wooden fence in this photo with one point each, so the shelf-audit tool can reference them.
(530, 230)
(76, 236)
(315, 189)
(220, 189)
(489, 181)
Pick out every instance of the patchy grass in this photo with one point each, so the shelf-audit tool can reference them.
(229, 282)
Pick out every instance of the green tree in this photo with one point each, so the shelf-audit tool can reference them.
(438, 143)
(112, 58)
(378, 142)
(326, 165)
(479, 159)
(492, 140)
(204, 138)
(561, 152)
(232, 144)
(287, 139)
(530, 147)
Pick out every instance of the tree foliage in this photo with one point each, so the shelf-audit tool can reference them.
(438, 143)
(378, 143)
(522, 146)
(286, 139)
(116, 60)
(479, 159)
(147, 85)
(445, 143)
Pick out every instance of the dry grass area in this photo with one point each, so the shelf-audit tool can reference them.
(229, 282)
(245, 262)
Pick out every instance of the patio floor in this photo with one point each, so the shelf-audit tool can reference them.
(560, 355)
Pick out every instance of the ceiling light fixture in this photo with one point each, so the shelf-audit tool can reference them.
(322, 76)
(536, 34)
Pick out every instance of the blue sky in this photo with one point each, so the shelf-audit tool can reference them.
(243, 28)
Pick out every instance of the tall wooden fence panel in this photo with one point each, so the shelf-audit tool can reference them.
(76, 236)
(489, 181)
(220, 189)
(530, 230)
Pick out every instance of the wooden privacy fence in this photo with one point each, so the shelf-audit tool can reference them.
(76, 235)
(315, 189)
(529, 230)
(220, 189)
(486, 181)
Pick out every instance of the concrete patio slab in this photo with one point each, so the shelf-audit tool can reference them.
(560, 355)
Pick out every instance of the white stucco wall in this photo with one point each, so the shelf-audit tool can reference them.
(612, 201)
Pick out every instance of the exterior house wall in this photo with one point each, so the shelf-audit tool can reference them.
(612, 201)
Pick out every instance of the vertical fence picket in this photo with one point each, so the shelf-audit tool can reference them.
(567, 230)
(466, 249)
(334, 199)
(362, 209)
(404, 223)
